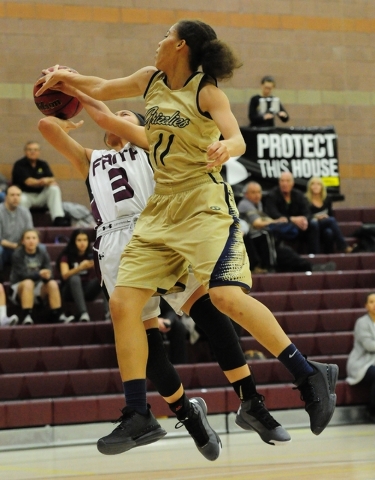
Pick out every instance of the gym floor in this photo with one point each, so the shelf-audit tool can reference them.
(343, 452)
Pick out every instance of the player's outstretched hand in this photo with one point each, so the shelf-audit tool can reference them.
(217, 154)
(52, 76)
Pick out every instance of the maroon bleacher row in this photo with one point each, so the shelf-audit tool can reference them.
(66, 374)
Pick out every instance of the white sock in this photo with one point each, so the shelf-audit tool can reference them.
(3, 311)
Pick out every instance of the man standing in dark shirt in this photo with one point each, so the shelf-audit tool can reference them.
(286, 202)
(38, 185)
(263, 108)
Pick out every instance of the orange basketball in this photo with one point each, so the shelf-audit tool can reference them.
(57, 104)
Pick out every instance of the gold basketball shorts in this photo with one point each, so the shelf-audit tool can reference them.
(193, 224)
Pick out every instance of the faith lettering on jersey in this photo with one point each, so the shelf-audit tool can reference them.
(110, 159)
(154, 117)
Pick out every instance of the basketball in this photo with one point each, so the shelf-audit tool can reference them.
(57, 104)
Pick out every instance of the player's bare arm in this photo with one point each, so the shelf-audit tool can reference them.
(214, 101)
(55, 131)
(96, 87)
(117, 124)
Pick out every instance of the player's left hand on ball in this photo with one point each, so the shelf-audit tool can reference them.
(217, 154)
(51, 78)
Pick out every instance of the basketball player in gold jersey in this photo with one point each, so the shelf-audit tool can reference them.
(192, 218)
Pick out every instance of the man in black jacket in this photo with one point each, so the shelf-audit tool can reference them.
(288, 203)
(39, 188)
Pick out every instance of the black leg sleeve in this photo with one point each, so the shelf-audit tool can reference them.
(159, 369)
(220, 332)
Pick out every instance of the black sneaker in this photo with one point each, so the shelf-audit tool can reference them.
(206, 439)
(253, 415)
(134, 430)
(318, 393)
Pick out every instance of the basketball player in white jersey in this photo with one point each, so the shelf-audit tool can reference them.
(119, 182)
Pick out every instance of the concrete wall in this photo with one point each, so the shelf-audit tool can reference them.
(321, 53)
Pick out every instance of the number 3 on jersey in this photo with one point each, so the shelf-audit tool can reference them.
(120, 185)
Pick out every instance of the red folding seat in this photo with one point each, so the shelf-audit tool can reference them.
(275, 282)
(348, 214)
(338, 320)
(76, 410)
(90, 382)
(366, 278)
(74, 334)
(334, 343)
(341, 279)
(305, 342)
(344, 261)
(367, 261)
(187, 374)
(302, 321)
(11, 386)
(308, 281)
(38, 335)
(109, 407)
(349, 227)
(356, 394)
(61, 358)
(46, 384)
(208, 375)
(305, 300)
(6, 337)
(368, 215)
(19, 360)
(99, 356)
(104, 332)
(334, 299)
(275, 301)
(32, 413)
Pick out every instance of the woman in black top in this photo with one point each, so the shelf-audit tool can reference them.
(320, 205)
(75, 266)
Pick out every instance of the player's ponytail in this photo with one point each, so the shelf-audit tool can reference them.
(215, 57)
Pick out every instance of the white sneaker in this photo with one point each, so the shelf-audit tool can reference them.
(66, 319)
(28, 320)
(8, 321)
(84, 317)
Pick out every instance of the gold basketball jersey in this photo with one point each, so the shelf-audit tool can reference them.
(177, 130)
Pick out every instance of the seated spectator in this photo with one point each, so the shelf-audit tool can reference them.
(4, 319)
(287, 204)
(14, 220)
(75, 266)
(321, 210)
(265, 107)
(264, 253)
(172, 328)
(38, 185)
(31, 280)
(361, 361)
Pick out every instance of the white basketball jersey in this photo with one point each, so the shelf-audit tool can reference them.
(119, 183)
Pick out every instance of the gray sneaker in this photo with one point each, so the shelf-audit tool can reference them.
(318, 393)
(253, 415)
(206, 439)
(134, 430)
(9, 321)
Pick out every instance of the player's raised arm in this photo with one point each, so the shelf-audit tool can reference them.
(98, 88)
(117, 124)
(55, 131)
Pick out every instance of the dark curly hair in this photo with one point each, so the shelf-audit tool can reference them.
(215, 57)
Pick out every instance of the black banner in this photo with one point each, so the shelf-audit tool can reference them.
(305, 151)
